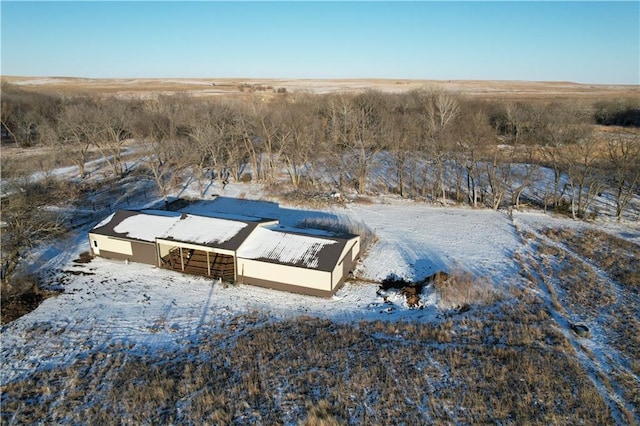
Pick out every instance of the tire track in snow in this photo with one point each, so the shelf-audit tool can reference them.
(594, 363)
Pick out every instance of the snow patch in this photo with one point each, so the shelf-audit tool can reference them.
(145, 227)
(285, 248)
(203, 230)
(104, 221)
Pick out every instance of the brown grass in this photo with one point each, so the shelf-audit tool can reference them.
(320, 415)
(461, 289)
(310, 198)
(515, 90)
(616, 256)
(343, 225)
(508, 367)
(592, 277)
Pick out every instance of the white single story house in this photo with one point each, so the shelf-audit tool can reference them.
(236, 248)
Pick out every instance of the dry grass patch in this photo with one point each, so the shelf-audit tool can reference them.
(616, 256)
(310, 198)
(460, 289)
(509, 366)
(620, 304)
(630, 386)
(591, 277)
(507, 90)
(343, 225)
(320, 415)
(580, 283)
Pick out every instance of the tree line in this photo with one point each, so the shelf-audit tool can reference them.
(423, 144)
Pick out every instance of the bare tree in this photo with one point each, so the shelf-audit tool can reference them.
(498, 174)
(301, 128)
(522, 124)
(559, 127)
(108, 127)
(623, 153)
(160, 158)
(235, 155)
(367, 141)
(474, 136)
(441, 108)
(156, 134)
(334, 113)
(585, 178)
(354, 128)
(402, 131)
(28, 223)
(245, 125)
(272, 137)
(71, 134)
(203, 143)
(23, 114)
(524, 176)
(519, 122)
(21, 125)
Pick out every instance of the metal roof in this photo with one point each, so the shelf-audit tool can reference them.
(309, 251)
(182, 227)
(312, 249)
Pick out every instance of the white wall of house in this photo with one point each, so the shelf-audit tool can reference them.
(353, 243)
(336, 275)
(345, 256)
(163, 249)
(356, 249)
(310, 278)
(109, 244)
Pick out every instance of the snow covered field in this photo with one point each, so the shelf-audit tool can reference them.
(108, 304)
(534, 320)
(108, 300)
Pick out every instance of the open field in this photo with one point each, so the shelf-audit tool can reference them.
(141, 87)
(536, 320)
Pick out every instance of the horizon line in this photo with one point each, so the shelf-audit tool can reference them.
(320, 79)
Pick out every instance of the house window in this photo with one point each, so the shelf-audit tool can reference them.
(95, 243)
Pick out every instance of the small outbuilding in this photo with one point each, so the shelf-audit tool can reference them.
(240, 249)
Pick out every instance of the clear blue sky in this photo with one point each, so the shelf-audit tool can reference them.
(586, 42)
